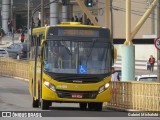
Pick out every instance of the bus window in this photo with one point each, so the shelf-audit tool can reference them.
(67, 56)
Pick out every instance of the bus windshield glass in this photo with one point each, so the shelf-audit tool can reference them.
(77, 57)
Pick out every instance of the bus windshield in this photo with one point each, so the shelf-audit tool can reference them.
(77, 57)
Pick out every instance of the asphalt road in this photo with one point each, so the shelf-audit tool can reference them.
(14, 97)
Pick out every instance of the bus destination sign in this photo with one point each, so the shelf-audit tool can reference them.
(78, 32)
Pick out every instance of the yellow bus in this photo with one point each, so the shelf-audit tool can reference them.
(70, 62)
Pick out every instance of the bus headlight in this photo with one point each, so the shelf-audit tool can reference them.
(46, 83)
(50, 86)
(103, 88)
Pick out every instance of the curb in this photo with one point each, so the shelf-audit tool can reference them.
(120, 109)
(19, 78)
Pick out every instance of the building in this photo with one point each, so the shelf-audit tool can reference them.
(64, 13)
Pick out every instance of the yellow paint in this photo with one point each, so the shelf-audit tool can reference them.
(48, 94)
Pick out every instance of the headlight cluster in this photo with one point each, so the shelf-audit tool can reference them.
(103, 88)
(50, 86)
(53, 88)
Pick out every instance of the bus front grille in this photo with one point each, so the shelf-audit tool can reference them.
(77, 94)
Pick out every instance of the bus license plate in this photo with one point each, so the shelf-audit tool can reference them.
(77, 96)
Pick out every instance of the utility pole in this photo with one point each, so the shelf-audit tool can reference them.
(158, 34)
(28, 26)
(28, 19)
(65, 10)
(42, 12)
(107, 13)
(111, 22)
(128, 49)
(84, 17)
(12, 21)
(143, 18)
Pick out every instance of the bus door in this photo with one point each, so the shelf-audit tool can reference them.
(37, 69)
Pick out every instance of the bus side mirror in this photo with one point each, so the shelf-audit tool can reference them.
(43, 42)
(42, 49)
(41, 55)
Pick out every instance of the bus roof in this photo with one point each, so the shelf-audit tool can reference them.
(40, 29)
(63, 24)
(75, 24)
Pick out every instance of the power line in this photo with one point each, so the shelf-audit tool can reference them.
(143, 3)
(132, 1)
(132, 12)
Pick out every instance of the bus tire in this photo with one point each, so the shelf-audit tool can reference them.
(45, 104)
(35, 103)
(90, 106)
(83, 106)
(98, 106)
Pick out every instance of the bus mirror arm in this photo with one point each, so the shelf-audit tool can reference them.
(42, 48)
(43, 42)
(41, 59)
(41, 55)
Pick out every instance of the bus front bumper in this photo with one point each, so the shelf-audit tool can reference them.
(75, 96)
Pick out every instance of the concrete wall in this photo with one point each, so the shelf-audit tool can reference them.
(142, 52)
(137, 12)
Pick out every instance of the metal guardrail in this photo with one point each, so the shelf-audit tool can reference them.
(141, 96)
(14, 68)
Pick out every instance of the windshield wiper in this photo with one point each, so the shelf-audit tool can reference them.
(69, 52)
(90, 50)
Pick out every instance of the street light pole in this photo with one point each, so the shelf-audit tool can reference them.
(28, 19)
(158, 33)
(28, 27)
(111, 14)
(42, 12)
(12, 21)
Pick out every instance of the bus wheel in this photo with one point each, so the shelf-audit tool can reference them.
(83, 106)
(90, 106)
(45, 104)
(98, 106)
(95, 106)
(35, 103)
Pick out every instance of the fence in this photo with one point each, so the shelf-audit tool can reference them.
(142, 96)
(14, 68)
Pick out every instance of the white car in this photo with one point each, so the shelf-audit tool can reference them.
(3, 53)
(147, 78)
